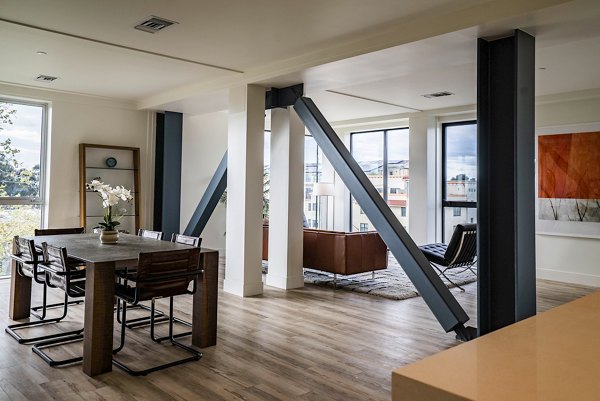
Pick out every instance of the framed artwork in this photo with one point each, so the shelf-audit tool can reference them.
(568, 181)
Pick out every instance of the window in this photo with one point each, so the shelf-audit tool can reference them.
(459, 175)
(364, 226)
(383, 156)
(22, 154)
(313, 164)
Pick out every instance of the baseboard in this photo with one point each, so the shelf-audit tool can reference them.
(285, 283)
(241, 289)
(569, 277)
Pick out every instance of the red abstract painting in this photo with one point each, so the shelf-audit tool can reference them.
(569, 166)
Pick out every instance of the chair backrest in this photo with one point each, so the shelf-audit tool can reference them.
(59, 231)
(150, 234)
(55, 258)
(463, 245)
(25, 249)
(186, 240)
(166, 273)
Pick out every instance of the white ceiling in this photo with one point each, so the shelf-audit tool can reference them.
(278, 43)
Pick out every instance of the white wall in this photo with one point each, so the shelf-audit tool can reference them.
(562, 258)
(204, 143)
(76, 119)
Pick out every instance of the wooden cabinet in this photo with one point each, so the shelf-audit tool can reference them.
(98, 162)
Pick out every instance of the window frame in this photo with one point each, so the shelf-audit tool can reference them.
(385, 161)
(446, 203)
(40, 199)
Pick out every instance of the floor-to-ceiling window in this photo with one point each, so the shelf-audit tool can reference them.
(383, 156)
(459, 175)
(22, 154)
(313, 169)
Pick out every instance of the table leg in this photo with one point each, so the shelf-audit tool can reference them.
(98, 322)
(20, 292)
(204, 314)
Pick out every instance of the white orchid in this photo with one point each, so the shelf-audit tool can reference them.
(110, 197)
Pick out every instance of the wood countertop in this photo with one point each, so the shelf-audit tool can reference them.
(552, 356)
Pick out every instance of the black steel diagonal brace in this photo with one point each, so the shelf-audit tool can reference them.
(437, 296)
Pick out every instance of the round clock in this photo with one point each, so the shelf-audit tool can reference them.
(111, 162)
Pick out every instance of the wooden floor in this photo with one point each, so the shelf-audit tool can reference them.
(310, 344)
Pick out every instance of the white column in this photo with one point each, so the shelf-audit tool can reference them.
(245, 140)
(422, 204)
(286, 200)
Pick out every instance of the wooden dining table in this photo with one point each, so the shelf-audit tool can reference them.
(102, 260)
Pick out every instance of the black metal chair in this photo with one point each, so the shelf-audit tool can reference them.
(71, 279)
(159, 275)
(150, 234)
(28, 265)
(71, 262)
(461, 252)
(122, 278)
(160, 316)
(59, 231)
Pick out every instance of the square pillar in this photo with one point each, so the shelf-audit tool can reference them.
(286, 200)
(506, 181)
(243, 275)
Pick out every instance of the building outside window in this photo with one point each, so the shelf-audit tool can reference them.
(22, 156)
(313, 164)
(313, 169)
(459, 175)
(383, 156)
(364, 226)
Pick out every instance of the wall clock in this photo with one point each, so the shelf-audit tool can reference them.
(111, 162)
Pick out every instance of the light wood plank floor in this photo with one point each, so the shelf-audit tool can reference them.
(309, 344)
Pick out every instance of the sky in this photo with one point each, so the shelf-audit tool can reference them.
(461, 150)
(25, 133)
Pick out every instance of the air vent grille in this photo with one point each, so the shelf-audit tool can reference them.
(154, 24)
(438, 94)
(45, 78)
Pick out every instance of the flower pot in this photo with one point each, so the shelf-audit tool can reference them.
(109, 237)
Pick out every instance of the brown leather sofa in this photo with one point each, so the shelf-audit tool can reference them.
(339, 252)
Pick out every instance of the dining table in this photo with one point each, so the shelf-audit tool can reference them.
(102, 260)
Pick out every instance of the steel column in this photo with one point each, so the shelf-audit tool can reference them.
(506, 185)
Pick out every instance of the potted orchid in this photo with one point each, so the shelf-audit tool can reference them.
(110, 198)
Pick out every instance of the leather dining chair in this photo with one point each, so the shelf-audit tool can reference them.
(159, 275)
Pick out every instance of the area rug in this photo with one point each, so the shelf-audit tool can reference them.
(391, 283)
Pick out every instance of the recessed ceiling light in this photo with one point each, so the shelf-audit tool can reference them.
(41, 53)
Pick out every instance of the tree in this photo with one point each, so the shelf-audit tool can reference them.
(15, 180)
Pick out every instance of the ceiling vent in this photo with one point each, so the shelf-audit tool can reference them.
(45, 78)
(438, 94)
(154, 24)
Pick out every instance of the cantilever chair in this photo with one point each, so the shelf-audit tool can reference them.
(150, 234)
(160, 316)
(29, 265)
(59, 231)
(159, 275)
(71, 279)
(122, 275)
(461, 252)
